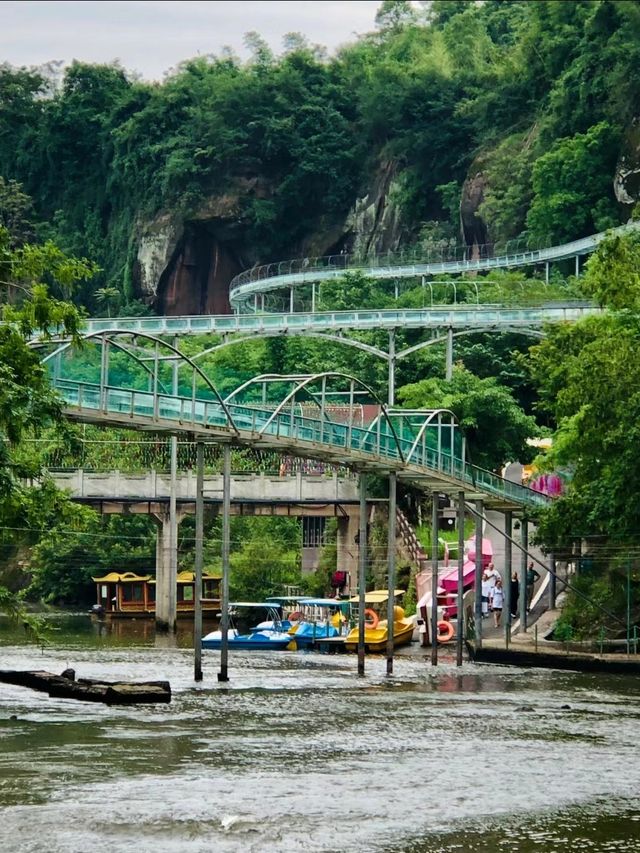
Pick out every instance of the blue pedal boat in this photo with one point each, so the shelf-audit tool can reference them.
(267, 639)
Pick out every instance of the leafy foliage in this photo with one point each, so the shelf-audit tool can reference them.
(495, 426)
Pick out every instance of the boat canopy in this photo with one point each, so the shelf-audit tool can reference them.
(324, 602)
(125, 577)
(189, 577)
(281, 600)
(268, 604)
(377, 596)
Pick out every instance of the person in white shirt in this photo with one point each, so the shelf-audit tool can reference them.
(486, 593)
(497, 602)
(493, 574)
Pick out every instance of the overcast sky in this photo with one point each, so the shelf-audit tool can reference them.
(151, 36)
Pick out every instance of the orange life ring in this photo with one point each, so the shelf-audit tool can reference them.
(450, 631)
(373, 620)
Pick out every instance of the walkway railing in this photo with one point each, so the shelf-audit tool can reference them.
(406, 264)
(305, 435)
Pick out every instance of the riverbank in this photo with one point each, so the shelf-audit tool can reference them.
(530, 649)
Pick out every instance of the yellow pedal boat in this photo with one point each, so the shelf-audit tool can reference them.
(375, 635)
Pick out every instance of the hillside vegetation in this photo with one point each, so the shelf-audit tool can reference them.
(454, 121)
(539, 98)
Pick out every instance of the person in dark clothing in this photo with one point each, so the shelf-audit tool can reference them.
(532, 577)
(515, 595)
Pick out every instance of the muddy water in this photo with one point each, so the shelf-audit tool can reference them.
(297, 753)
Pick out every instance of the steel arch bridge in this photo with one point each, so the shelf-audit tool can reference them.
(126, 380)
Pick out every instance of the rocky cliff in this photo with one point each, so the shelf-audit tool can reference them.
(184, 264)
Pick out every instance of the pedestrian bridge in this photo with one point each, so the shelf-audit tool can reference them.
(117, 382)
(292, 274)
(155, 486)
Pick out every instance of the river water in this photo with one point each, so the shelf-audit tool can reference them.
(295, 753)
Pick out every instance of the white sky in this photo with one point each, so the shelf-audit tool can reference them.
(152, 36)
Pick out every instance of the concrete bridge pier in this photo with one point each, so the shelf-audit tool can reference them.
(347, 548)
(166, 570)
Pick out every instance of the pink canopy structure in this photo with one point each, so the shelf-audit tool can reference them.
(487, 551)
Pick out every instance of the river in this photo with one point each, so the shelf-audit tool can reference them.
(296, 753)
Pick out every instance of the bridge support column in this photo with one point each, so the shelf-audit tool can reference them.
(291, 300)
(391, 569)
(391, 396)
(166, 571)
(478, 575)
(348, 528)
(523, 573)
(577, 266)
(460, 602)
(449, 356)
(434, 579)
(506, 584)
(362, 569)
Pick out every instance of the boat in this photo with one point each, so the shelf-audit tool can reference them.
(321, 618)
(126, 595)
(375, 632)
(267, 639)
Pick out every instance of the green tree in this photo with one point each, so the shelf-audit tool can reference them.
(496, 428)
(572, 186)
(612, 274)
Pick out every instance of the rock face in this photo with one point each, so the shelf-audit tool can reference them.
(475, 232)
(185, 265)
(374, 226)
(626, 181)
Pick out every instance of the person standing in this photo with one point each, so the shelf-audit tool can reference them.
(497, 602)
(532, 577)
(493, 574)
(515, 595)
(487, 587)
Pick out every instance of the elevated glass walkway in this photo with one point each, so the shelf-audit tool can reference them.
(289, 274)
(465, 316)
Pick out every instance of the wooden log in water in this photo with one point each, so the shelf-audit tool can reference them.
(89, 689)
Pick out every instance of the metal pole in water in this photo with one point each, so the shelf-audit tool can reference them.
(460, 602)
(434, 579)
(197, 590)
(362, 570)
(508, 562)
(172, 586)
(391, 569)
(628, 608)
(226, 513)
(552, 581)
(478, 576)
(524, 593)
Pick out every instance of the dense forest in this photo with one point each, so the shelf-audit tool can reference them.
(456, 121)
(452, 122)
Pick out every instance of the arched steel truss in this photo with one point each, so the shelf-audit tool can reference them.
(302, 385)
(150, 363)
(230, 340)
